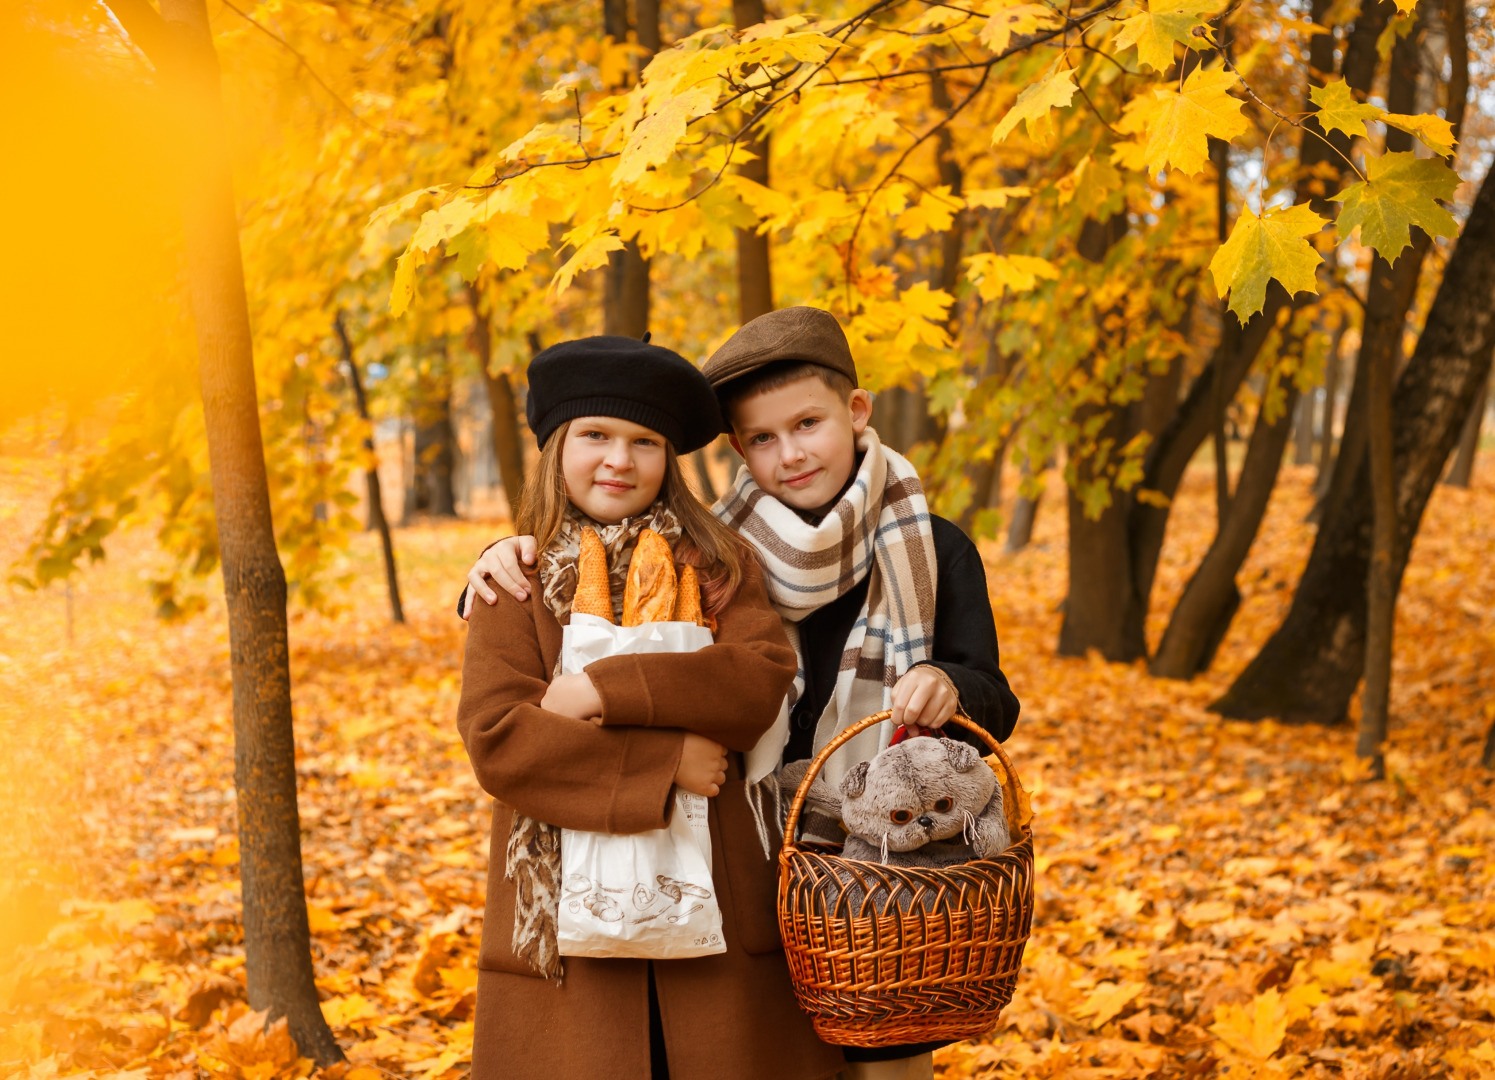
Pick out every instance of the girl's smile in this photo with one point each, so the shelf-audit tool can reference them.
(613, 468)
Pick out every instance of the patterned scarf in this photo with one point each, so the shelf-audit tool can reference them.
(532, 858)
(879, 527)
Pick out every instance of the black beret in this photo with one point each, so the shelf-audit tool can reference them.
(623, 377)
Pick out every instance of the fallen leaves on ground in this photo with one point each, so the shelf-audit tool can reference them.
(1214, 898)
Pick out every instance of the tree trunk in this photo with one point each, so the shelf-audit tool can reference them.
(625, 293)
(1024, 515)
(377, 520)
(1303, 431)
(277, 938)
(1462, 470)
(434, 459)
(508, 444)
(1101, 611)
(1210, 599)
(1487, 759)
(754, 266)
(1326, 421)
(1380, 365)
(1309, 668)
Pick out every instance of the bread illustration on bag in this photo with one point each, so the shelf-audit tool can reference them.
(594, 594)
(649, 593)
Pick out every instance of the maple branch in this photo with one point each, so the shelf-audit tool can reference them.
(1025, 43)
(300, 60)
(1288, 119)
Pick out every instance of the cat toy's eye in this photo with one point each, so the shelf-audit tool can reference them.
(942, 806)
(901, 817)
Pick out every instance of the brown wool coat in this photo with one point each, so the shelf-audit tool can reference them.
(726, 1017)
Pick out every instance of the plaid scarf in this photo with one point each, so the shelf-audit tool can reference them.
(879, 527)
(532, 856)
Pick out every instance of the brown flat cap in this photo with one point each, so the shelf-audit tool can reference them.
(806, 334)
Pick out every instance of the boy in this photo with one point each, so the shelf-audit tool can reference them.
(885, 602)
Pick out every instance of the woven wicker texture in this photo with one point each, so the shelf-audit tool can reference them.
(888, 955)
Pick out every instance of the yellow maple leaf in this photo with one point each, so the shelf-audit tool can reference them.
(1263, 248)
(1107, 1000)
(1165, 22)
(934, 212)
(1053, 91)
(588, 256)
(1339, 111)
(347, 1011)
(657, 134)
(995, 198)
(1173, 126)
(997, 34)
(1435, 132)
(1257, 1029)
(995, 275)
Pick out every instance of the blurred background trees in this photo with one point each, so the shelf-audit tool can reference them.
(468, 182)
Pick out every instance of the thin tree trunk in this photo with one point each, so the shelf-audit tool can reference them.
(1024, 515)
(1487, 759)
(1326, 422)
(508, 445)
(1210, 599)
(1308, 669)
(754, 265)
(625, 294)
(1303, 431)
(277, 937)
(377, 520)
(1462, 470)
(434, 460)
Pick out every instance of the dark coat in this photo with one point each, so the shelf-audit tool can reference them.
(726, 1017)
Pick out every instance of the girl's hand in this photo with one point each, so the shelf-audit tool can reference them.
(924, 698)
(703, 766)
(501, 562)
(573, 696)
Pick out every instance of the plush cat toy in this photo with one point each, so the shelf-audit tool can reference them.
(923, 802)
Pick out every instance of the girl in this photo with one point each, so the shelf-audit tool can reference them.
(602, 750)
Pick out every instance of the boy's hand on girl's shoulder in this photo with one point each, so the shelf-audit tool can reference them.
(574, 696)
(703, 766)
(924, 698)
(504, 564)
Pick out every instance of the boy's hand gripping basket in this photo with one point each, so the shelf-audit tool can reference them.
(889, 955)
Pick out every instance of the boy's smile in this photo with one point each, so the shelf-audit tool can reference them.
(799, 440)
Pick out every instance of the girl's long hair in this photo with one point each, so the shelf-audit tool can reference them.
(717, 553)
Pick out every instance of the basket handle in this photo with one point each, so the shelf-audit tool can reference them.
(791, 824)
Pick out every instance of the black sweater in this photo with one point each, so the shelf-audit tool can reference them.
(965, 643)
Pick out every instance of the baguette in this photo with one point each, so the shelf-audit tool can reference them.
(688, 598)
(649, 593)
(594, 594)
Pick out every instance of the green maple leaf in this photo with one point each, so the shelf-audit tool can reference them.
(1163, 23)
(1262, 248)
(1339, 111)
(1399, 191)
(1034, 105)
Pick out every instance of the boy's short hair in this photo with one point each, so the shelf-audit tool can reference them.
(780, 373)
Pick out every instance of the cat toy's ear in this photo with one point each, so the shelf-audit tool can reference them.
(855, 782)
(962, 756)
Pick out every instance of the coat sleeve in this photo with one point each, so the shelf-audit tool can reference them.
(565, 772)
(965, 633)
(730, 691)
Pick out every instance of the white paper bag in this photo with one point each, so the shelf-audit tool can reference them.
(650, 894)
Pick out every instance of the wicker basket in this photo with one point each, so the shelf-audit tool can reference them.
(886, 955)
